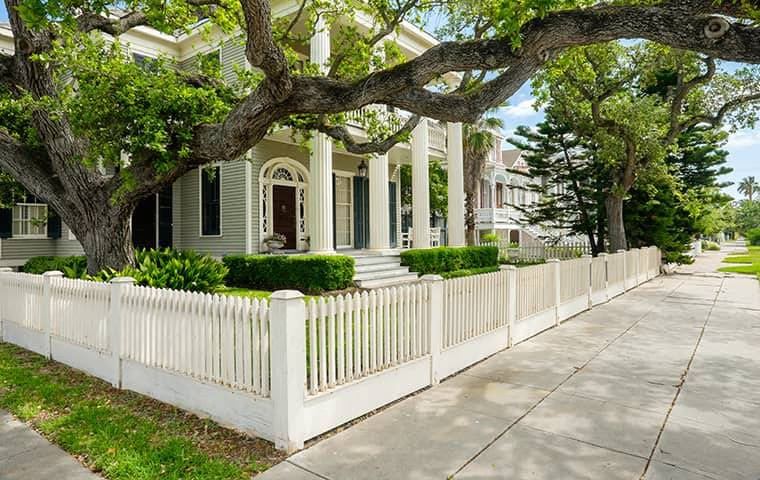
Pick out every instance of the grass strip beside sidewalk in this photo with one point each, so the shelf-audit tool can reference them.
(120, 434)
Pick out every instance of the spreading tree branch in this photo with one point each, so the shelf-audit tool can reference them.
(88, 22)
(342, 134)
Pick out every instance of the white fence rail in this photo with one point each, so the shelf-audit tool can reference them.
(288, 369)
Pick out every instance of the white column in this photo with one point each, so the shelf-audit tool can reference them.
(455, 172)
(379, 201)
(321, 202)
(420, 186)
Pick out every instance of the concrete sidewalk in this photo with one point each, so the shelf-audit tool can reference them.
(25, 455)
(661, 383)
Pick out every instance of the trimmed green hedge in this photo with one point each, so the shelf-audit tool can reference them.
(40, 265)
(448, 259)
(311, 274)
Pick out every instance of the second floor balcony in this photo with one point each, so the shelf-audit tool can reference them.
(395, 120)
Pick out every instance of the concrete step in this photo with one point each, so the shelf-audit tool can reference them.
(373, 275)
(376, 267)
(387, 282)
(377, 259)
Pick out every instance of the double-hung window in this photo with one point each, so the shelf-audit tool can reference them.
(30, 220)
(211, 201)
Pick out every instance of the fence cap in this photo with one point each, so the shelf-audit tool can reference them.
(6, 270)
(622, 250)
(286, 295)
(603, 254)
(507, 267)
(552, 260)
(53, 273)
(431, 278)
(120, 280)
(586, 255)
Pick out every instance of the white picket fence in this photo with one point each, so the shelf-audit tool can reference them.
(287, 369)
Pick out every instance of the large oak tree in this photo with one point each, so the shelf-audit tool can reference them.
(76, 108)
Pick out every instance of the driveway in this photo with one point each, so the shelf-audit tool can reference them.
(661, 383)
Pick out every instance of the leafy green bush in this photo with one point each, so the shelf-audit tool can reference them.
(708, 245)
(40, 265)
(175, 269)
(311, 274)
(448, 259)
(167, 268)
(490, 238)
(753, 236)
(466, 272)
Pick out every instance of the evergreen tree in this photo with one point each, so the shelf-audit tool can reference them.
(566, 177)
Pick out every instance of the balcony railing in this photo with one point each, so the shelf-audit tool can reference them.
(357, 118)
(497, 216)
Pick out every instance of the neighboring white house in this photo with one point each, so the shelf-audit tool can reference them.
(504, 189)
(321, 201)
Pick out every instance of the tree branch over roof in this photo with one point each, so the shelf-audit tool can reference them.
(88, 22)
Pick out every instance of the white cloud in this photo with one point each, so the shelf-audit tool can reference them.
(522, 109)
(743, 139)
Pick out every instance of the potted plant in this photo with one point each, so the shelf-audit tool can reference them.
(275, 242)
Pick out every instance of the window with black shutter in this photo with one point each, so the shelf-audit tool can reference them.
(211, 212)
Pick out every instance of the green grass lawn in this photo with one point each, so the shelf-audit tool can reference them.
(748, 263)
(121, 434)
(243, 292)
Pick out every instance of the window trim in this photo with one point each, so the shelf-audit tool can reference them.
(200, 200)
(29, 236)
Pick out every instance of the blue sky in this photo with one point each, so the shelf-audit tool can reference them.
(743, 146)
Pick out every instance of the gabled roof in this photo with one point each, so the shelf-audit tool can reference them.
(509, 157)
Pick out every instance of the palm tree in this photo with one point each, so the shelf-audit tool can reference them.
(748, 186)
(479, 141)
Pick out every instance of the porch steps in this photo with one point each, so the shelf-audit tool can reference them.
(376, 271)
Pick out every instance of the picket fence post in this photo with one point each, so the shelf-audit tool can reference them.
(626, 287)
(557, 278)
(46, 312)
(606, 259)
(435, 301)
(287, 328)
(590, 277)
(116, 324)
(511, 273)
(2, 330)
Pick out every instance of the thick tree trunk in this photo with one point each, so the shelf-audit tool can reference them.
(105, 233)
(615, 226)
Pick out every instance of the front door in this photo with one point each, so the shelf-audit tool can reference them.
(284, 213)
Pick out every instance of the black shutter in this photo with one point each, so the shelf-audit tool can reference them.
(6, 222)
(165, 218)
(210, 199)
(392, 206)
(53, 224)
(361, 212)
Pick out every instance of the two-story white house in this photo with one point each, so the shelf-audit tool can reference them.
(504, 191)
(323, 199)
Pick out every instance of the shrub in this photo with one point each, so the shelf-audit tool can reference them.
(175, 269)
(466, 272)
(490, 238)
(40, 265)
(753, 236)
(448, 259)
(167, 268)
(708, 245)
(311, 274)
